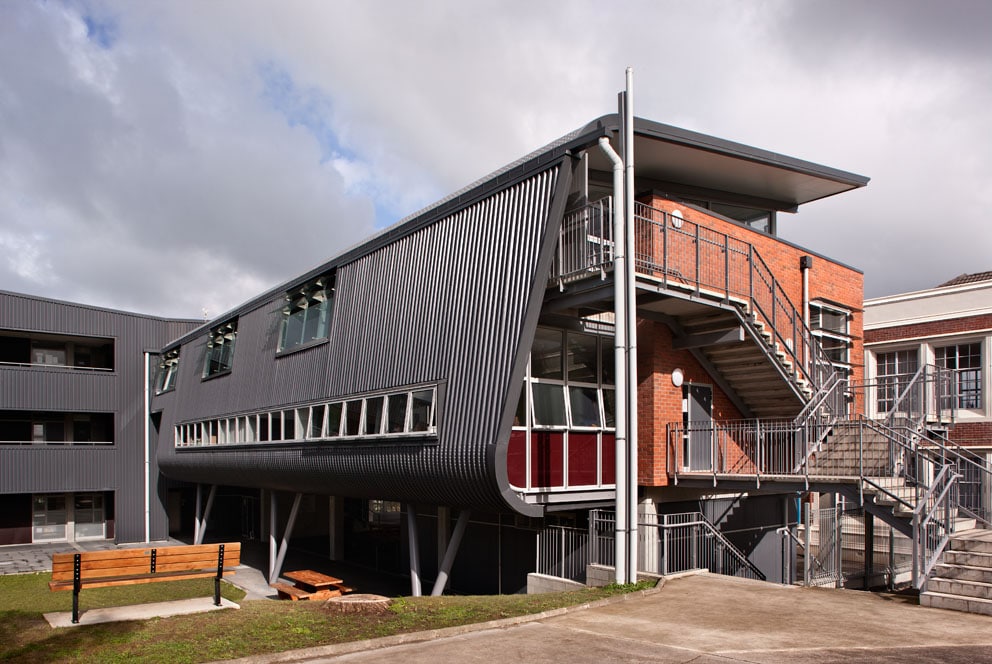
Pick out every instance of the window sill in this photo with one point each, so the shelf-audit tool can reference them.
(301, 347)
(216, 375)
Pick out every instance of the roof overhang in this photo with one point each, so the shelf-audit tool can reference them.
(688, 161)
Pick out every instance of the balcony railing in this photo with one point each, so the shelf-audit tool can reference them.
(686, 256)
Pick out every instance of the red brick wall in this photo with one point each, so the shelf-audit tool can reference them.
(659, 402)
(951, 326)
(972, 434)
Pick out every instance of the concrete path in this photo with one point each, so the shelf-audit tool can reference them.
(704, 619)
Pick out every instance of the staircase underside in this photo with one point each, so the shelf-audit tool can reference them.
(737, 353)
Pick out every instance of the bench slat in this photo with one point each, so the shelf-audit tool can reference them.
(133, 580)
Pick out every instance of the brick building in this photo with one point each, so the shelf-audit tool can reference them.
(950, 327)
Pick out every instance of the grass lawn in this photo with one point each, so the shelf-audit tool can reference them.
(261, 626)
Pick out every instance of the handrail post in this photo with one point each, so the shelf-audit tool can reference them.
(726, 268)
(697, 259)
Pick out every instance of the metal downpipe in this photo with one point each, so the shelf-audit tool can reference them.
(620, 361)
(631, 288)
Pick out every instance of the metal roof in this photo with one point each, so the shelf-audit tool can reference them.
(663, 154)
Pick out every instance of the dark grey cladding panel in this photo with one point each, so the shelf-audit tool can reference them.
(118, 468)
(445, 304)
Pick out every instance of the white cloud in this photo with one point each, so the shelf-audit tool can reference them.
(152, 146)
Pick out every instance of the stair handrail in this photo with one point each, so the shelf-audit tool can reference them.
(823, 402)
(926, 546)
(915, 393)
(698, 518)
(815, 357)
(951, 453)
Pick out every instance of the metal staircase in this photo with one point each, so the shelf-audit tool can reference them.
(725, 306)
(713, 290)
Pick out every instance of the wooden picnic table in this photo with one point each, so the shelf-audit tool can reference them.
(310, 585)
(311, 580)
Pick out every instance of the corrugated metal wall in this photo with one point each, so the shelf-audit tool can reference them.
(443, 304)
(119, 468)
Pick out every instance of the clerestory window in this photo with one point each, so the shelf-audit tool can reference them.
(168, 369)
(220, 349)
(307, 314)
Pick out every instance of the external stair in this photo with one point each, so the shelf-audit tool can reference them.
(962, 580)
(755, 367)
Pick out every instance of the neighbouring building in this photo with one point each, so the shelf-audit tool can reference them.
(75, 459)
(946, 327)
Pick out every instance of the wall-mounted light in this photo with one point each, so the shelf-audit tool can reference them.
(677, 377)
(676, 218)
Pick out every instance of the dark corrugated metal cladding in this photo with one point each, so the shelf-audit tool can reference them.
(443, 305)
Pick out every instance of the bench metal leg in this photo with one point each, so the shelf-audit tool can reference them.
(220, 574)
(76, 569)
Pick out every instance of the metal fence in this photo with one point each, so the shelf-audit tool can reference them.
(669, 543)
(833, 549)
(563, 552)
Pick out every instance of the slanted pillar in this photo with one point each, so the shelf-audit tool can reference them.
(443, 532)
(200, 522)
(411, 528)
(275, 566)
(449, 554)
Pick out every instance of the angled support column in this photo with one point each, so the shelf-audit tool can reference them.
(411, 527)
(450, 552)
(200, 522)
(275, 566)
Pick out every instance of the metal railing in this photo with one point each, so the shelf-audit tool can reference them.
(563, 552)
(585, 242)
(933, 523)
(929, 396)
(833, 548)
(690, 257)
(670, 543)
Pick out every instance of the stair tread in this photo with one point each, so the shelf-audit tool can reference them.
(947, 579)
(964, 598)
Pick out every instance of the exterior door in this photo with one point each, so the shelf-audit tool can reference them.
(700, 427)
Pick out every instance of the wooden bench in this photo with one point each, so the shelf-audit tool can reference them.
(122, 567)
(310, 585)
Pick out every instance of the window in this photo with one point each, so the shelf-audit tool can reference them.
(569, 370)
(829, 324)
(966, 361)
(168, 368)
(894, 370)
(220, 349)
(386, 415)
(46, 428)
(307, 314)
(56, 350)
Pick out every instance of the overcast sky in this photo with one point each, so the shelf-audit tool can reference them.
(175, 157)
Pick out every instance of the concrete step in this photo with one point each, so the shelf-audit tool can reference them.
(963, 572)
(978, 541)
(936, 600)
(970, 558)
(960, 587)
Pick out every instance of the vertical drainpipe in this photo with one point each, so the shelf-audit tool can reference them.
(631, 279)
(148, 469)
(620, 361)
(805, 263)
